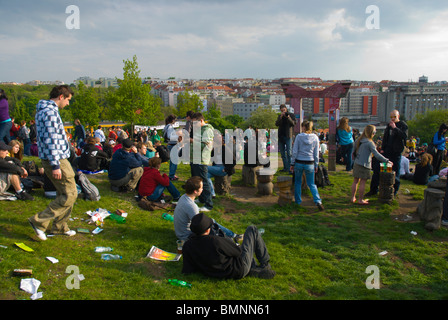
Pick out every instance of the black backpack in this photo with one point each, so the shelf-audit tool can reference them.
(164, 153)
(321, 178)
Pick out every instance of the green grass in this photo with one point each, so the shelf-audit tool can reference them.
(317, 255)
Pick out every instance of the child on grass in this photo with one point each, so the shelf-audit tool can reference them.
(363, 150)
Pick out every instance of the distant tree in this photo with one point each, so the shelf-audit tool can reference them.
(262, 118)
(132, 101)
(213, 117)
(235, 119)
(188, 101)
(425, 125)
(84, 106)
(25, 108)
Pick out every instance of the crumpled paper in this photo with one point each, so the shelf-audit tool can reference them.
(31, 286)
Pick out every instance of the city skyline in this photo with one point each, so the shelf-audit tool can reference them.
(196, 39)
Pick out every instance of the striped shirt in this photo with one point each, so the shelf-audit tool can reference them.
(51, 138)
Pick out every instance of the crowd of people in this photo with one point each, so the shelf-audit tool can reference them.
(133, 166)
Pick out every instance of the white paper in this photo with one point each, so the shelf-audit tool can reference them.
(30, 285)
(53, 260)
(37, 296)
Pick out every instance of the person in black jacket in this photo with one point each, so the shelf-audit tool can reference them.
(393, 144)
(11, 170)
(92, 158)
(220, 257)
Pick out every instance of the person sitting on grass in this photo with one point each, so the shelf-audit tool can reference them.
(152, 183)
(126, 168)
(424, 171)
(92, 158)
(11, 170)
(186, 209)
(363, 150)
(220, 257)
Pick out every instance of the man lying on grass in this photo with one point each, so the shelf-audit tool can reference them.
(221, 257)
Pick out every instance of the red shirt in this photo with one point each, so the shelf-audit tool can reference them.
(150, 179)
(113, 135)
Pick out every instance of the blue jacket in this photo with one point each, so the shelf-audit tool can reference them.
(122, 162)
(439, 143)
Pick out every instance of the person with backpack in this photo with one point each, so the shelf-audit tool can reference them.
(364, 148)
(305, 159)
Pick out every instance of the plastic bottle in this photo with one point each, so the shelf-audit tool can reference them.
(103, 249)
(107, 256)
(179, 283)
(167, 216)
(117, 218)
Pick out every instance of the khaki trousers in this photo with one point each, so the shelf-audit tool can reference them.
(59, 209)
(130, 180)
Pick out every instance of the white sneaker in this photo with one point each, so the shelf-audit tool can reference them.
(70, 233)
(204, 209)
(445, 223)
(40, 234)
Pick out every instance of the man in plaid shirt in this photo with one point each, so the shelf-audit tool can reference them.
(54, 151)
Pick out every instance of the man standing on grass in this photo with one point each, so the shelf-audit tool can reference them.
(201, 153)
(393, 143)
(54, 150)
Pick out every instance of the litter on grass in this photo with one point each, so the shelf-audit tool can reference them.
(31, 286)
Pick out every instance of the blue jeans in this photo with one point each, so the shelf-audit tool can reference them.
(299, 169)
(201, 170)
(346, 152)
(226, 231)
(285, 147)
(215, 171)
(4, 131)
(173, 167)
(159, 190)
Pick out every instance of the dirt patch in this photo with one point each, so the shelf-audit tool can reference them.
(407, 209)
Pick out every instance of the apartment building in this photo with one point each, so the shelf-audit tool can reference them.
(413, 98)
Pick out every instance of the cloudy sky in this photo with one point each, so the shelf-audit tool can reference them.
(330, 39)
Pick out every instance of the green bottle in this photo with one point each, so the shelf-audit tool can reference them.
(167, 216)
(179, 283)
(117, 218)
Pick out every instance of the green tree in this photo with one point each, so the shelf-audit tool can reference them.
(425, 125)
(25, 108)
(262, 118)
(235, 119)
(84, 106)
(188, 101)
(132, 101)
(213, 117)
